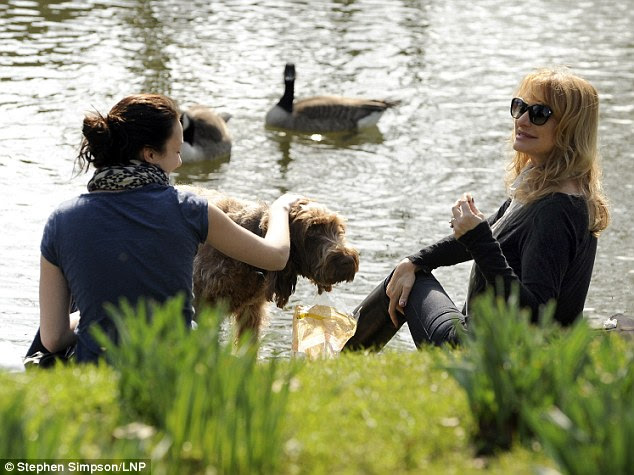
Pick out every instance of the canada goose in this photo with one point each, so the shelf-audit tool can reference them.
(205, 134)
(323, 113)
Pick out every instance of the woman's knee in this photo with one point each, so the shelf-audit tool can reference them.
(447, 329)
(430, 312)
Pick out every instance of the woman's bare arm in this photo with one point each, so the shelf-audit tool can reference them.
(270, 252)
(57, 329)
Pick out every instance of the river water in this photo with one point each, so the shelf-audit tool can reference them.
(453, 64)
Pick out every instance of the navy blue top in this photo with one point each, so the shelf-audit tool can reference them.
(129, 244)
(545, 248)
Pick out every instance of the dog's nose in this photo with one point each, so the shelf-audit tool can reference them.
(324, 288)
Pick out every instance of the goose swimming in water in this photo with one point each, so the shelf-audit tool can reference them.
(205, 134)
(323, 113)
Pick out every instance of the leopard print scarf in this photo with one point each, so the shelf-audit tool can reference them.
(127, 177)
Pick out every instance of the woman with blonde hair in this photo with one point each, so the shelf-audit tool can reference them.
(543, 239)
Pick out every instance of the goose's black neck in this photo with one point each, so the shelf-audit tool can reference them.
(286, 102)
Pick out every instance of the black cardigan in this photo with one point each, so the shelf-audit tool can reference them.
(546, 248)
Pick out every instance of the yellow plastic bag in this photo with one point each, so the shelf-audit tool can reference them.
(320, 331)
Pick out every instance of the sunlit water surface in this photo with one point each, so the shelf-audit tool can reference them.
(452, 64)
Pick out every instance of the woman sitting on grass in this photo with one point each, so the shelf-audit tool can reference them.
(133, 235)
(543, 238)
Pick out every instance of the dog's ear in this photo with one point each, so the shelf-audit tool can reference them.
(282, 285)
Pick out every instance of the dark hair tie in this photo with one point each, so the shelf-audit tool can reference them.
(113, 122)
(118, 134)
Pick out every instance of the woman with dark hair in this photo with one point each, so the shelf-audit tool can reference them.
(543, 239)
(133, 236)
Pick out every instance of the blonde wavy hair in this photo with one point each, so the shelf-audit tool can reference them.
(575, 105)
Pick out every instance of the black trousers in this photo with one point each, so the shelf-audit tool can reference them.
(430, 314)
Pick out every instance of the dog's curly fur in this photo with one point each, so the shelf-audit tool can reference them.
(319, 252)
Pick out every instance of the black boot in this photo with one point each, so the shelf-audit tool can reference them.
(374, 326)
(38, 355)
(36, 345)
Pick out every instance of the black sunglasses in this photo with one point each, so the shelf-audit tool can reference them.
(537, 113)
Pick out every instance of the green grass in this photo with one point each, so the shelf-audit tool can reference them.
(571, 389)
(194, 404)
(591, 429)
(387, 413)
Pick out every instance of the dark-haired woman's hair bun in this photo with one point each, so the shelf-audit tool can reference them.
(97, 141)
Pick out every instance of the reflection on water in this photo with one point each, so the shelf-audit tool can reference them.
(336, 140)
(151, 48)
(453, 66)
(203, 171)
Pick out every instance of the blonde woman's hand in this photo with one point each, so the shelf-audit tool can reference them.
(399, 287)
(465, 215)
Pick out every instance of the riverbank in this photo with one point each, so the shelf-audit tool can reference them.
(11, 355)
(516, 398)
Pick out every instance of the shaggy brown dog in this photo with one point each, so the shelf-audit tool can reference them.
(319, 252)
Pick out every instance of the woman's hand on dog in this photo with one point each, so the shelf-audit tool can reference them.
(270, 252)
(399, 287)
(286, 201)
